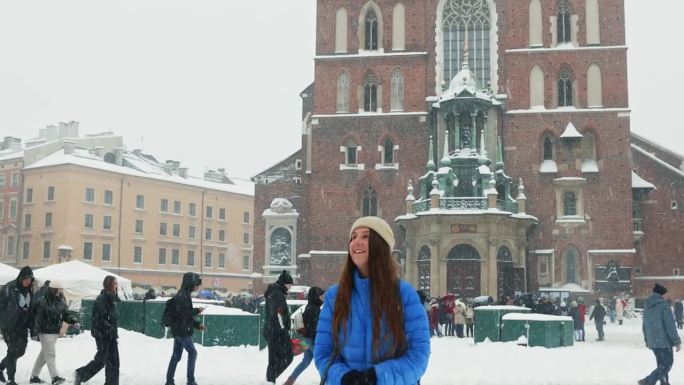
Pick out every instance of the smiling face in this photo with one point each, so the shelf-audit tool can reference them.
(358, 248)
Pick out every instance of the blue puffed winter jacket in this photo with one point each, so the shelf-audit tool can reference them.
(356, 351)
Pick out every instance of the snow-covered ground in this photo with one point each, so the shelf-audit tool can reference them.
(621, 359)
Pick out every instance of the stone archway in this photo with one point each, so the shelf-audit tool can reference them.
(463, 271)
(505, 276)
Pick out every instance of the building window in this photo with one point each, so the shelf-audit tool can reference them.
(207, 259)
(26, 251)
(106, 252)
(398, 27)
(565, 88)
(15, 179)
(2, 210)
(90, 195)
(370, 202)
(51, 193)
(222, 235)
(245, 238)
(176, 207)
(191, 232)
(175, 257)
(222, 261)
(137, 254)
(87, 251)
(675, 271)
(370, 94)
(11, 243)
(210, 212)
(2, 181)
(46, 249)
(162, 256)
(593, 23)
(140, 202)
(388, 152)
(351, 154)
(88, 222)
(397, 97)
(341, 31)
(535, 24)
(563, 20)
(164, 206)
(371, 31)
(343, 92)
(457, 17)
(108, 197)
(191, 258)
(192, 210)
(29, 195)
(48, 220)
(674, 205)
(571, 260)
(569, 203)
(548, 148)
(245, 262)
(139, 226)
(162, 228)
(27, 221)
(107, 222)
(13, 209)
(245, 217)
(543, 264)
(222, 214)
(176, 230)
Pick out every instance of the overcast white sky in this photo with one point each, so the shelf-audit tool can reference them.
(216, 83)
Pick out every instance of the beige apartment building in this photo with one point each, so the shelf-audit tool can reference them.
(150, 222)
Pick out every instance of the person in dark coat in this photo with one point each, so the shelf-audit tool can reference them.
(597, 315)
(310, 315)
(679, 313)
(49, 314)
(41, 292)
(105, 325)
(16, 319)
(183, 327)
(150, 295)
(660, 335)
(277, 327)
(574, 314)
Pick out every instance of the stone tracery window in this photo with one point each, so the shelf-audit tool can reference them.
(370, 202)
(563, 20)
(461, 20)
(370, 94)
(565, 88)
(371, 31)
(397, 99)
(343, 92)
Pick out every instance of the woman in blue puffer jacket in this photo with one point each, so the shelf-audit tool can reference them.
(373, 328)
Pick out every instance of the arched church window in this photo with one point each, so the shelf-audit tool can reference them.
(548, 148)
(589, 146)
(397, 99)
(371, 31)
(343, 92)
(565, 88)
(504, 254)
(571, 258)
(341, 31)
(466, 20)
(563, 22)
(370, 202)
(370, 94)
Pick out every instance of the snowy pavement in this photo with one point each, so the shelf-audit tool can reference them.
(621, 359)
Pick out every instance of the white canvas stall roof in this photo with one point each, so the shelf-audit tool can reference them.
(639, 182)
(81, 281)
(571, 287)
(7, 274)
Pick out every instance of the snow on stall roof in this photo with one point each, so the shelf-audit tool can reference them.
(222, 310)
(140, 167)
(7, 273)
(503, 307)
(534, 317)
(639, 182)
(571, 287)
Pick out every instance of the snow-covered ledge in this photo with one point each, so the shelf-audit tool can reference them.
(352, 167)
(386, 166)
(548, 167)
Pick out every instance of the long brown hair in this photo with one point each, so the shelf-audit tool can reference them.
(384, 295)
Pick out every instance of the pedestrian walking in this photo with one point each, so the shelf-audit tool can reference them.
(619, 310)
(182, 325)
(679, 313)
(105, 326)
(459, 317)
(310, 316)
(573, 312)
(611, 309)
(50, 312)
(372, 328)
(433, 317)
(16, 319)
(598, 314)
(660, 335)
(470, 319)
(277, 327)
(582, 312)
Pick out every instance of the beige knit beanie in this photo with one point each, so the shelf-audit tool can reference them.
(378, 225)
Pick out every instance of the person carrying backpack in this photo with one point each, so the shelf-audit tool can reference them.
(16, 317)
(179, 315)
(277, 327)
(311, 312)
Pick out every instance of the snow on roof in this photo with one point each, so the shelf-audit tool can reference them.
(503, 307)
(589, 165)
(641, 183)
(10, 154)
(534, 317)
(140, 167)
(548, 166)
(571, 287)
(658, 160)
(571, 132)
(222, 310)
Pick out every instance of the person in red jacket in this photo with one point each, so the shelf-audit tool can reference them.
(582, 310)
(434, 318)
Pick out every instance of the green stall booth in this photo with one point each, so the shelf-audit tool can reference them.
(487, 321)
(549, 331)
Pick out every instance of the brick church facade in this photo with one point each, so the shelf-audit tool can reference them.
(527, 103)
